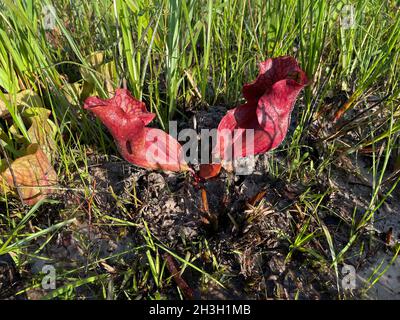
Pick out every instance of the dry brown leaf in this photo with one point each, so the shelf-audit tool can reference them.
(34, 175)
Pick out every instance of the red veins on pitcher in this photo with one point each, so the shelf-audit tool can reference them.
(270, 100)
(126, 119)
